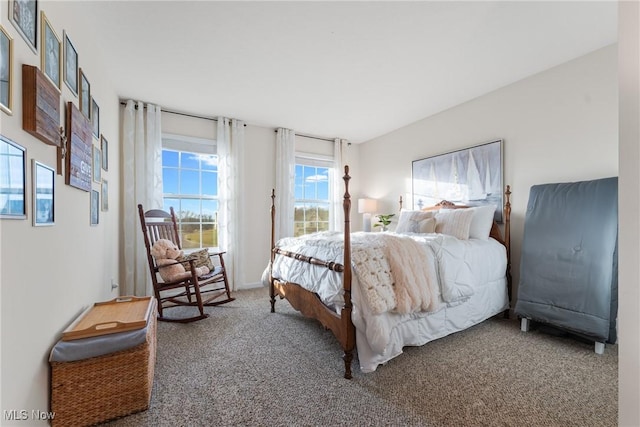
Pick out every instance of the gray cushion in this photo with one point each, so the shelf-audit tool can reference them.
(568, 268)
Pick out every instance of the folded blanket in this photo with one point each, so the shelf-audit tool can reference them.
(394, 273)
(374, 273)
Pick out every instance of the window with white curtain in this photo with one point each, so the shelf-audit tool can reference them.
(313, 183)
(190, 186)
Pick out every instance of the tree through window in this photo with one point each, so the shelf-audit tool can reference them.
(312, 196)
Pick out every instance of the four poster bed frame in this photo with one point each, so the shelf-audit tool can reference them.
(309, 303)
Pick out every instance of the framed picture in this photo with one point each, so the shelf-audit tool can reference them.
(40, 106)
(471, 176)
(23, 14)
(85, 94)
(43, 194)
(50, 52)
(105, 195)
(97, 163)
(95, 207)
(79, 156)
(6, 70)
(104, 147)
(70, 64)
(95, 118)
(13, 163)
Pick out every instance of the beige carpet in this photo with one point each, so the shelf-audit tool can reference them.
(247, 366)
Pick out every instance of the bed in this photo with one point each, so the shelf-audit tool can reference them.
(380, 292)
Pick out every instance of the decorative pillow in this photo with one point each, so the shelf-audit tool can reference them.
(454, 222)
(428, 225)
(414, 222)
(200, 257)
(481, 222)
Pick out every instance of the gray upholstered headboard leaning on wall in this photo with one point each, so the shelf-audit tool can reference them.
(569, 261)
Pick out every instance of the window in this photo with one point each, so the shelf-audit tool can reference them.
(312, 195)
(190, 186)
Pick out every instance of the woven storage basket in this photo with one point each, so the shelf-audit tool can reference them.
(90, 391)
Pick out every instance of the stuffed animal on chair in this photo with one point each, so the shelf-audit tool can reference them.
(165, 253)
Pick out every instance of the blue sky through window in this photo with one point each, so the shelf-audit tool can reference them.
(312, 183)
(188, 180)
(312, 203)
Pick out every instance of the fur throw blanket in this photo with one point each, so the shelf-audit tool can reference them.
(394, 273)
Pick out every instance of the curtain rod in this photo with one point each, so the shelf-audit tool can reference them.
(177, 112)
(311, 136)
(215, 120)
(189, 115)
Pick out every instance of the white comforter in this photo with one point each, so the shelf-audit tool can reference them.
(456, 265)
(461, 269)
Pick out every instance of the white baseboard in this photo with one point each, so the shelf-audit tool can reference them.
(250, 286)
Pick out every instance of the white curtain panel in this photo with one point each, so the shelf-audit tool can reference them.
(337, 211)
(285, 182)
(230, 143)
(142, 182)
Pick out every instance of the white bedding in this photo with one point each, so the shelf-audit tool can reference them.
(471, 287)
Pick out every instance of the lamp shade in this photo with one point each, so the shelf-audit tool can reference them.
(367, 205)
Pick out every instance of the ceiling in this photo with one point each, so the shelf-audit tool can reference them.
(353, 70)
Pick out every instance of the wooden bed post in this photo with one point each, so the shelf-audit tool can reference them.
(272, 293)
(507, 242)
(307, 302)
(349, 344)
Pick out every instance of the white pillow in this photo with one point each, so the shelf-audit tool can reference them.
(454, 222)
(415, 222)
(428, 225)
(481, 222)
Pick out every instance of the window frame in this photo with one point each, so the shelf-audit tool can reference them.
(321, 161)
(203, 146)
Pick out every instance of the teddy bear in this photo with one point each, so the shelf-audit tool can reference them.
(165, 253)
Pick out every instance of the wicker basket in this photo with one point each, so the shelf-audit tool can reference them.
(90, 391)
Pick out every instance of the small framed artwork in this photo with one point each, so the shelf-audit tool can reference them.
(85, 94)
(43, 194)
(70, 64)
(105, 195)
(6, 67)
(95, 118)
(97, 163)
(95, 207)
(13, 163)
(104, 147)
(23, 14)
(50, 52)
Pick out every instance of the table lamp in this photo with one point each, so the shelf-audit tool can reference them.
(366, 207)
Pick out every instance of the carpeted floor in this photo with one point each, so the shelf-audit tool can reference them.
(247, 366)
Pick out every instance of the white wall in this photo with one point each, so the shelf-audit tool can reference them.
(629, 240)
(559, 125)
(48, 275)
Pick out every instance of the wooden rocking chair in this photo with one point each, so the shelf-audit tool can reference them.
(192, 291)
